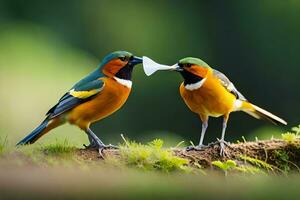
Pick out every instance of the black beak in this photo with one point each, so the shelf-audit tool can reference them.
(135, 60)
(178, 68)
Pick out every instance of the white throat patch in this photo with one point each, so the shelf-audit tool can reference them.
(127, 83)
(195, 86)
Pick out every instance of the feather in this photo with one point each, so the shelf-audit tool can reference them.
(228, 85)
(76, 96)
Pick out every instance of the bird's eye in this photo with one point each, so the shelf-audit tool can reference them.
(122, 58)
(188, 64)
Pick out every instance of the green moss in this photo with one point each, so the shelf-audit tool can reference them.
(225, 166)
(152, 156)
(250, 170)
(281, 159)
(229, 164)
(55, 154)
(59, 149)
(3, 144)
(257, 162)
(289, 137)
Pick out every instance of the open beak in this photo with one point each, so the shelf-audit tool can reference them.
(136, 60)
(151, 66)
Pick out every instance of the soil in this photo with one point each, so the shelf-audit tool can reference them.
(275, 152)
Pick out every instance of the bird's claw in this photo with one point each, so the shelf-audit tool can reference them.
(196, 148)
(100, 147)
(222, 144)
(90, 146)
(110, 146)
(218, 143)
(222, 149)
(104, 147)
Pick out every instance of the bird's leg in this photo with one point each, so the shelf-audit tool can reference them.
(204, 127)
(91, 140)
(222, 141)
(200, 146)
(92, 143)
(96, 143)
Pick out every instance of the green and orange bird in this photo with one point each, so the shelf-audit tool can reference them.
(209, 93)
(93, 98)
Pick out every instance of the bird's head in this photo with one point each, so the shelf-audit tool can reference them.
(194, 66)
(119, 64)
(192, 69)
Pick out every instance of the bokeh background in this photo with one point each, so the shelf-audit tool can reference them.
(46, 46)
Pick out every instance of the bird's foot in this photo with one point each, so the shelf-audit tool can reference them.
(222, 144)
(90, 146)
(218, 143)
(196, 148)
(110, 146)
(104, 147)
(100, 147)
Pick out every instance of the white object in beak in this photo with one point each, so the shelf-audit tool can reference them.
(151, 66)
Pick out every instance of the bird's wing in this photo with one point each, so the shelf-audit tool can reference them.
(228, 85)
(76, 96)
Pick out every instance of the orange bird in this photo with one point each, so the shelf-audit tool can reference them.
(209, 93)
(93, 98)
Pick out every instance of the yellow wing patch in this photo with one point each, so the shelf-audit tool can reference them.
(84, 94)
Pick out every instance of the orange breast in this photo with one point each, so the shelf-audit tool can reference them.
(109, 100)
(210, 99)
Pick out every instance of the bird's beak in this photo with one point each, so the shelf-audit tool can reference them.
(136, 60)
(151, 66)
(176, 67)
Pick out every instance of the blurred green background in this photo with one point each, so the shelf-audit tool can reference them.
(46, 46)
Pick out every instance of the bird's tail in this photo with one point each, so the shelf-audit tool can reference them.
(260, 113)
(39, 131)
